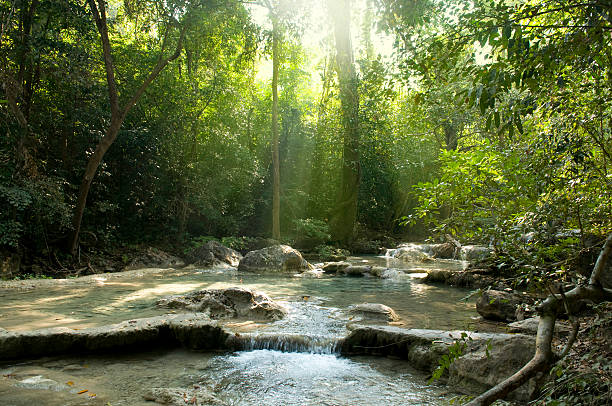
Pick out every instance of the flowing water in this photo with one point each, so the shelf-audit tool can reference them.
(289, 362)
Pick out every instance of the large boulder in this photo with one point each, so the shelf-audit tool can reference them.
(155, 258)
(212, 254)
(372, 312)
(227, 303)
(278, 258)
(490, 363)
(486, 358)
(501, 306)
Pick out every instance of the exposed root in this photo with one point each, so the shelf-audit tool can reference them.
(544, 356)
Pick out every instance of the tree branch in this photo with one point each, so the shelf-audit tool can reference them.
(99, 14)
(548, 310)
(161, 64)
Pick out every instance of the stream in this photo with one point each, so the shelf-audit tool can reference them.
(289, 362)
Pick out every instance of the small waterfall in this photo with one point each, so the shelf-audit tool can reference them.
(289, 343)
(390, 253)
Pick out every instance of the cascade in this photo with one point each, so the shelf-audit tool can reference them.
(289, 343)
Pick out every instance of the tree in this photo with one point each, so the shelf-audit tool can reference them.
(554, 305)
(119, 112)
(345, 215)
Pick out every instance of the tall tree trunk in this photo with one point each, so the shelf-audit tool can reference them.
(118, 113)
(345, 217)
(275, 135)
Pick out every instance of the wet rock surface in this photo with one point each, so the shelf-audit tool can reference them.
(227, 303)
(213, 254)
(190, 331)
(372, 312)
(500, 305)
(488, 358)
(277, 258)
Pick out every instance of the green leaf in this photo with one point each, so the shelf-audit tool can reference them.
(507, 32)
(517, 121)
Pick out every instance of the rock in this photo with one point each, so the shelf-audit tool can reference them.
(313, 273)
(478, 370)
(155, 258)
(182, 396)
(227, 303)
(443, 251)
(392, 274)
(356, 270)
(212, 254)
(375, 312)
(499, 305)
(334, 267)
(466, 279)
(475, 253)
(530, 326)
(471, 373)
(379, 271)
(190, 331)
(278, 258)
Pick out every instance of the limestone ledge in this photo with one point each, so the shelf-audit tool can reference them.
(192, 331)
(487, 358)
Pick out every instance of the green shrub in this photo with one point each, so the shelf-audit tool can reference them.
(32, 211)
(316, 231)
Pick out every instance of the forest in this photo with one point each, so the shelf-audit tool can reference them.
(333, 126)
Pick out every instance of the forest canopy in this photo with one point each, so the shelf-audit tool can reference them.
(168, 122)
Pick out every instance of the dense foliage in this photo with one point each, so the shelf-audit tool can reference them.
(490, 123)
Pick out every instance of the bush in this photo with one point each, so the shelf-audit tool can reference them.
(32, 212)
(311, 232)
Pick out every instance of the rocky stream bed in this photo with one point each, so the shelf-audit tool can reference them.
(364, 331)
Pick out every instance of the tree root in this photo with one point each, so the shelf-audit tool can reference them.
(544, 357)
